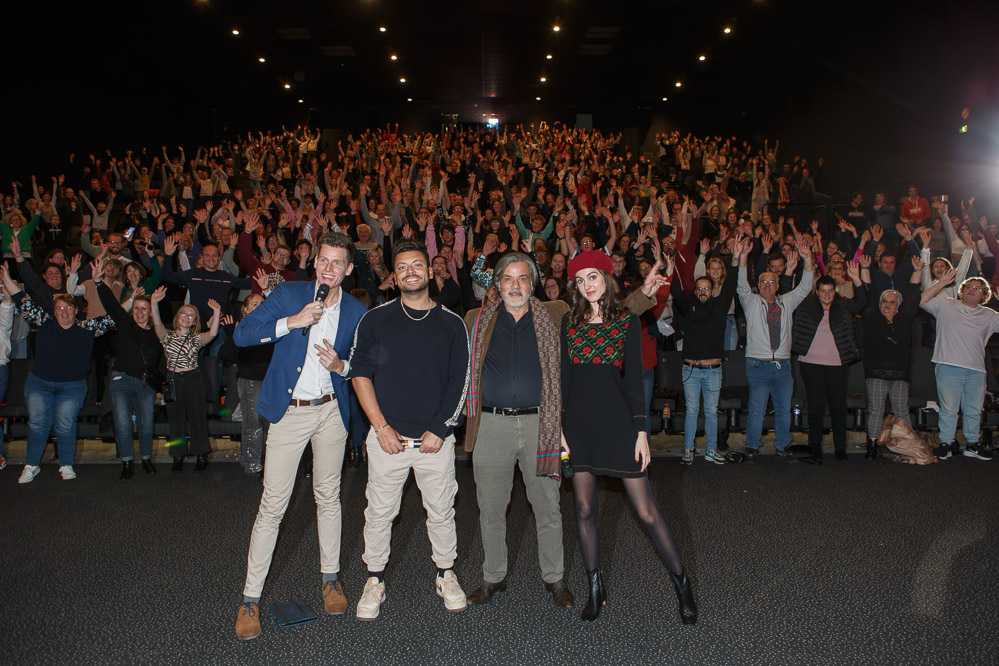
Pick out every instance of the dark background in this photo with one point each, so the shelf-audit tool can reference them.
(876, 89)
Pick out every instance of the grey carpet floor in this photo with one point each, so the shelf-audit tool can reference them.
(851, 562)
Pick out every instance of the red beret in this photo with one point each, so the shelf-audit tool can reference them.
(590, 259)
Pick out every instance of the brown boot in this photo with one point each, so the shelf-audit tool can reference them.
(560, 594)
(248, 621)
(334, 599)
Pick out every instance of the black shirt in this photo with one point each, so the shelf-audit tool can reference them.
(704, 323)
(139, 348)
(511, 373)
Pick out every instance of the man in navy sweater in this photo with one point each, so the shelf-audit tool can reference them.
(409, 367)
(305, 397)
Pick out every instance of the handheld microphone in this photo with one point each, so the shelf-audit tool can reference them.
(321, 294)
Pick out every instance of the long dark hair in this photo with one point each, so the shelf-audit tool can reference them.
(611, 306)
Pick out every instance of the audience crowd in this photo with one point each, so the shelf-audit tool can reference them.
(146, 259)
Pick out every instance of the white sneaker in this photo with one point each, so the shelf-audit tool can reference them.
(712, 455)
(371, 600)
(452, 594)
(67, 473)
(29, 473)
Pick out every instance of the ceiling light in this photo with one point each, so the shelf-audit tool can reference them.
(409, 99)
(538, 98)
(702, 58)
(393, 57)
(548, 57)
(287, 86)
(301, 101)
(665, 98)
(678, 84)
(402, 79)
(556, 28)
(543, 79)
(727, 30)
(381, 29)
(235, 32)
(261, 59)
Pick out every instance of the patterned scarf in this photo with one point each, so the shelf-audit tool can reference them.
(550, 412)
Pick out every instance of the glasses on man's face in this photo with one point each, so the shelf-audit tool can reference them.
(973, 287)
(768, 281)
(703, 289)
(282, 255)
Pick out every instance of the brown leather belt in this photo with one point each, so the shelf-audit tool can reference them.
(313, 403)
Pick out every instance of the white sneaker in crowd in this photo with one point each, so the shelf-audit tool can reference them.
(450, 591)
(29, 473)
(67, 473)
(371, 600)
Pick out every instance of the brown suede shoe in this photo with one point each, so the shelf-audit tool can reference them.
(334, 599)
(560, 594)
(486, 592)
(248, 621)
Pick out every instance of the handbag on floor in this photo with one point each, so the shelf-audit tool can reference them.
(292, 613)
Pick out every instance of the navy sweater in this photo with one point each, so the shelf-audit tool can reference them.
(61, 354)
(419, 368)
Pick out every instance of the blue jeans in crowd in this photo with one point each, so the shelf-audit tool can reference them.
(960, 388)
(130, 395)
(649, 384)
(4, 375)
(52, 403)
(698, 382)
(769, 379)
(731, 333)
(358, 422)
(254, 427)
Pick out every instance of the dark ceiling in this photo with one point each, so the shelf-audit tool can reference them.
(119, 73)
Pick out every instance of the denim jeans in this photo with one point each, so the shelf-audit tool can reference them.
(698, 382)
(769, 379)
(960, 388)
(254, 427)
(649, 384)
(52, 403)
(731, 333)
(4, 375)
(359, 425)
(129, 395)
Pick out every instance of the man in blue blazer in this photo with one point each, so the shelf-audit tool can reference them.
(304, 397)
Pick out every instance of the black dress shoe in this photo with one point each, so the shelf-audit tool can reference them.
(840, 454)
(147, 466)
(178, 465)
(685, 595)
(598, 596)
(355, 458)
(201, 464)
(126, 471)
(560, 594)
(486, 592)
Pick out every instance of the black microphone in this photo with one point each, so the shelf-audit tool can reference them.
(321, 294)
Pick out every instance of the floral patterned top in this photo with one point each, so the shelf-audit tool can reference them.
(599, 344)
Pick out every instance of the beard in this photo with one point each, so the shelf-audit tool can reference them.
(515, 299)
(407, 288)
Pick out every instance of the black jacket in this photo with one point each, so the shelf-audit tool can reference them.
(888, 346)
(808, 316)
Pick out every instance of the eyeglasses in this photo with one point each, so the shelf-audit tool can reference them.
(973, 287)
(768, 281)
(703, 289)
(186, 315)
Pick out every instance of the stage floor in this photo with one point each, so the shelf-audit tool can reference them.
(853, 562)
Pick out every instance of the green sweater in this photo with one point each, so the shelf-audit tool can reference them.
(23, 235)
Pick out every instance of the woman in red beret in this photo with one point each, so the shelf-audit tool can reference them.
(603, 419)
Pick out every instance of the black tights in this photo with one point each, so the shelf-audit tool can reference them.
(640, 493)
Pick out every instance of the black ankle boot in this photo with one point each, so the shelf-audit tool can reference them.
(201, 464)
(598, 596)
(178, 464)
(684, 593)
(126, 470)
(872, 449)
(147, 466)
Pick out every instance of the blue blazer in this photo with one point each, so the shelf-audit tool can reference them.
(258, 328)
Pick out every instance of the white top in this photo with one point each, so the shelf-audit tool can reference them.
(962, 332)
(314, 380)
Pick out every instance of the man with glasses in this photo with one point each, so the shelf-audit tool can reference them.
(704, 318)
(276, 268)
(768, 349)
(963, 329)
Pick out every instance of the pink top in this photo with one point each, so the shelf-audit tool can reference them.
(823, 350)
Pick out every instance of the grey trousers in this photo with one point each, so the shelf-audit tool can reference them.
(877, 391)
(502, 443)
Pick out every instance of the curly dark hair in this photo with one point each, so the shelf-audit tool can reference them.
(610, 304)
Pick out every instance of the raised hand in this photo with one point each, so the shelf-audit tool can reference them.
(75, 263)
(917, 263)
(158, 295)
(261, 278)
(853, 270)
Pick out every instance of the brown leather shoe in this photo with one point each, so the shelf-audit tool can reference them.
(560, 594)
(486, 592)
(248, 621)
(334, 599)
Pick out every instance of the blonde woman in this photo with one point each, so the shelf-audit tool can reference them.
(181, 345)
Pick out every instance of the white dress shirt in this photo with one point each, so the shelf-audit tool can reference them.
(314, 380)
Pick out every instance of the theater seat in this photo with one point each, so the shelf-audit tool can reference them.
(856, 396)
(922, 387)
(669, 390)
(15, 407)
(734, 398)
